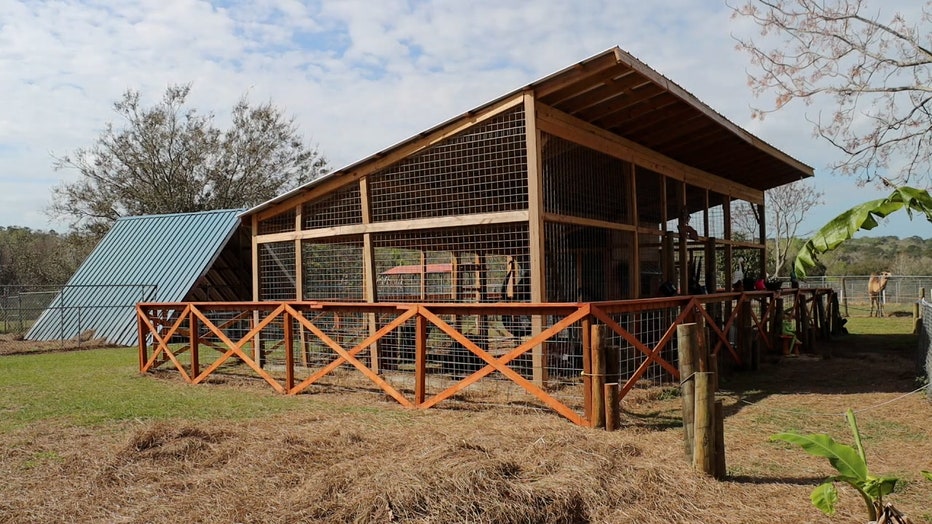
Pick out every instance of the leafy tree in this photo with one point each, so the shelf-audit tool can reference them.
(39, 258)
(877, 71)
(170, 158)
(786, 209)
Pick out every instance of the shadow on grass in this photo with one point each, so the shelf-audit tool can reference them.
(859, 363)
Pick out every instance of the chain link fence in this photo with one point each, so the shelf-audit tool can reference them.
(79, 312)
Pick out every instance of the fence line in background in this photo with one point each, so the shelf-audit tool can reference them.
(70, 313)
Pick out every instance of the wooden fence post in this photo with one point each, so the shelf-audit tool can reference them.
(289, 351)
(420, 359)
(688, 342)
(704, 437)
(194, 329)
(598, 376)
(720, 470)
(612, 406)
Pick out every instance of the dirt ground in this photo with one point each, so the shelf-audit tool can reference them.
(373, 461)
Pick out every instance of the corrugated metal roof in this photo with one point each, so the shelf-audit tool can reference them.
(144, 258)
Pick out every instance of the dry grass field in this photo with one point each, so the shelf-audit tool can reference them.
(354, 457)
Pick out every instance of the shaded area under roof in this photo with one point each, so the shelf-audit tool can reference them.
(617, 92)
(145, 258)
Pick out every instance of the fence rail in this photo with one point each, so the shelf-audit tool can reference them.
(535, 355)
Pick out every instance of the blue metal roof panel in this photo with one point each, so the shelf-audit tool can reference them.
(144, 258)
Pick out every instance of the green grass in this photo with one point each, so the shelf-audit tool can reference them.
(102, 386)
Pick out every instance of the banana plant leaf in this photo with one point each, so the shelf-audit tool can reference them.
(863, 216)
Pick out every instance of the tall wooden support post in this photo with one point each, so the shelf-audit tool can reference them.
(683, 252)
(598, 375)
(761, 212)
(420, 360)
(537, 243)
(669, 261)
(687, 348)
(610, 357)
(194, 328)
(299, 279)
(370, 291)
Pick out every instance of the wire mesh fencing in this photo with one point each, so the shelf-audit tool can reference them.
(924, 348)
(78, 314)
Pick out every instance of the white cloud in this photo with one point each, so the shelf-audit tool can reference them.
(359, 76)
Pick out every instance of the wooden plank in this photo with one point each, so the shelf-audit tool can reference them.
(588, 222)
(298, 255)
(537, 242)
(681, 93)
(478, 219)
(558, 123)
(420, 360)
(255, 258)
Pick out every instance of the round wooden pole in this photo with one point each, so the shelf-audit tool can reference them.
(598, 376)
(688, 343)
(720, 468)
(704, 438)
(612, 407)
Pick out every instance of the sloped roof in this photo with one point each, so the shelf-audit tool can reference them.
(618, 93)
(145, 258)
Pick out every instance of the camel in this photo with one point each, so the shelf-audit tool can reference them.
(875, 287)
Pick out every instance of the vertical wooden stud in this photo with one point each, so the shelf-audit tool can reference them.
(535, 232)
(420, 360)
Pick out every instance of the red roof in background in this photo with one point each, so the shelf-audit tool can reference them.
(415, 269)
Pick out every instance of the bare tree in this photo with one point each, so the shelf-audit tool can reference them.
(875, 66)
(171, 159)
(785, 211)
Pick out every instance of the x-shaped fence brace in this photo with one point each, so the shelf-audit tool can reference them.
(287, 313)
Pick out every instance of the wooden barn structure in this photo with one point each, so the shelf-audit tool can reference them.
(602, 182)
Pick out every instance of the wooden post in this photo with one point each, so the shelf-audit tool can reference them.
(289, 351)
(687, 346)
(776, 329)
(802, 322)
(587, 367)
(195, 342)
(743, 321)
(720, 471)
(612, 406)
(143, 337)
(704, 437)
(420, 360)
(844, 294)
(824, 347)
(598, 376)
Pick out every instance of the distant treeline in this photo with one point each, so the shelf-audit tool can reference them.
(40, 258)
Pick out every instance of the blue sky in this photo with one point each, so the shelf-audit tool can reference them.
(357, 75)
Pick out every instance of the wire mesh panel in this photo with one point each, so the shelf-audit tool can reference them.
(587, 263)
(277, 271)
(650, 187)
(333, 269)
(481, 170)
(582, 182)
(281, 223)
(746, 219)
(716, 213)
(339, 208)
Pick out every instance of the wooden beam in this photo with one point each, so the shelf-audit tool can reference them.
(535, 186)
(505, 217)
(558, 123)
(255, 258)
